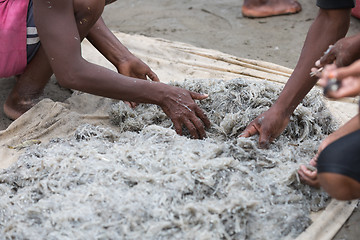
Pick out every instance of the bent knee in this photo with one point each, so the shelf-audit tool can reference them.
(87, 12)
(339, 186)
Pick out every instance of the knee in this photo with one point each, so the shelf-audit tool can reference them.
(339, 186)
(87, 12)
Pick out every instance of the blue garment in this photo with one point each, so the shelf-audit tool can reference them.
(32, 37)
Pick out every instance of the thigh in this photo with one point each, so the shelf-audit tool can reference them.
(342, 157)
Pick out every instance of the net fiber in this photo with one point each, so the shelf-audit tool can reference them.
(146, 182)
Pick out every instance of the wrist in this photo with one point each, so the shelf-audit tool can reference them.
(121, 57)
(154, 92)
(282, 108)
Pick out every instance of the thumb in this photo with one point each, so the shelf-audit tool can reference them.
(198, 96)
(153, 76)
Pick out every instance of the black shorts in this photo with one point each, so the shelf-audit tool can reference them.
(335, 4)
(32, 37)
(342, 157)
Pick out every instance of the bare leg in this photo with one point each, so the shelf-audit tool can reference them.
(339, 186)
(267, 8)
(30, 85)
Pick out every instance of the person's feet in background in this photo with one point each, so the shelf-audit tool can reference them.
(267, 8)
(355, 12)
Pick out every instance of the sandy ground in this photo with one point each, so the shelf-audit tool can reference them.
(216, 25)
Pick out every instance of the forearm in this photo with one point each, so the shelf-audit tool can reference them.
(107, 43)
(97, 80)
(64, 54)
(329, 26)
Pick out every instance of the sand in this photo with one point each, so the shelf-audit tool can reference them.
(215, 25)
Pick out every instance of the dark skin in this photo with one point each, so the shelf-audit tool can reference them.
(328, 27)
(60, 53)
(338, 186)
(342, 53)
(268, 8)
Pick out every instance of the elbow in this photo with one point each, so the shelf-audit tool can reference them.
(66, 80)
(68, 77)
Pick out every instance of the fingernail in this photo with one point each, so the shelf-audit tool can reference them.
(317, 63)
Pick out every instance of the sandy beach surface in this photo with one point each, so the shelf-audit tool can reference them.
(215, 25)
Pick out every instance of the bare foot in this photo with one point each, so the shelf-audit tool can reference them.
(267, 8)
(15, 105)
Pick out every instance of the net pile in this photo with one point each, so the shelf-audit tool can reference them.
(147, 182)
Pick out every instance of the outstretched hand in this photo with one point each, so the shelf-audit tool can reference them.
(268, 125)
(180, 106)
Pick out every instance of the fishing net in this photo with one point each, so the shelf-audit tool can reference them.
(146, 182)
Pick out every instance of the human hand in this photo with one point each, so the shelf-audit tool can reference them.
(348, 80)
(180, 106)
(132, 66)
(342, 53)
(308, 174)
(268, 125)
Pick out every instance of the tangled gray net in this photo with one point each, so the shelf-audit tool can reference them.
(147, 182)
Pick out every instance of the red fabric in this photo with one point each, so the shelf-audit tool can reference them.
(13, 15)
(356, 10)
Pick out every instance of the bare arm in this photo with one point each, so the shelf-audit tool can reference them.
(109, 45)
(61, 42)
(328, 27)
